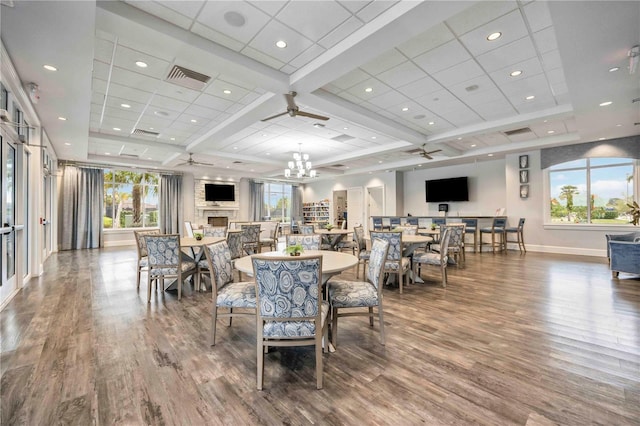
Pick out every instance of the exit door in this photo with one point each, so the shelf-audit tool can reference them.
(7, 219)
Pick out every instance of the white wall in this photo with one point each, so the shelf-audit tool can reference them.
(486, 189)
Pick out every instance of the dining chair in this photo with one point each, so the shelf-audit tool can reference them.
(351, 245)
(407, 229)
(471, 228)
(306, 229)
(394, 222)
(226, 293)
(456, 241)
(433, 258)
(250, 238)
(188, 228)
(307, 241)
(363, 253)
(412, 221)
(234, 241)
(141, 245)
(290, 311)
(360, 294)
(272, 240)
(495, 230)
(519, 232)
(166, 261)
(395, 263)
(215, 231)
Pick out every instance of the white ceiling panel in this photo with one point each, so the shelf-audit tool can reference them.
(313, 19)
(217, 37)
(347, 28)
(213, 16)
(266, 39)
(479, 14)
(350, 79)
(428, 40)
(373, 9)
(546, 40)
(421, 87)
(169, 14)
(126, 58)
(443, 57)
(402, 75)
(512, 53)
(510, 25)
(459, 73)
(538, 15)
(384, 62)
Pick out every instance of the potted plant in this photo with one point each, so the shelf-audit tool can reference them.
(294, 250)
(329, 227)
(198, 235)
(433, 226)
(634, 212)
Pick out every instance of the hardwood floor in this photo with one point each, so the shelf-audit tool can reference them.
(529, 339)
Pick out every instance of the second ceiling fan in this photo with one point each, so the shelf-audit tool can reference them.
(293, 110)
(427, 154)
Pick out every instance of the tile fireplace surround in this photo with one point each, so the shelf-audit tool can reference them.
(207, 212)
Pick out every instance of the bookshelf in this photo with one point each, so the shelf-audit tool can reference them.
(317, 212)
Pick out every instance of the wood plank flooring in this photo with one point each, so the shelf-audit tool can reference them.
(533, 339)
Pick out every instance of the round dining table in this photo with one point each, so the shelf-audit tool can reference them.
(333, 236)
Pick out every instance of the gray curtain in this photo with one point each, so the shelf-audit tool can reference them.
(170, 219)
(82, 208)
(256, 200)
(296, 201)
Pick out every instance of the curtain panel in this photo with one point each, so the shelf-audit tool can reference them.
(296, 202)
(170, 214)
(82, 208)
(256, 200)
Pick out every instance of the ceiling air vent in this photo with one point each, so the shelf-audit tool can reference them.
(342, 138)
(187, 78)
(124, 154)
(517, 131)
(142, 132)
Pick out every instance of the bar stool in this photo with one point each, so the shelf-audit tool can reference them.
(497, 228)
(519, 235)
(472, 229)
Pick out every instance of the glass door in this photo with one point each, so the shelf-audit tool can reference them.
(7, 220)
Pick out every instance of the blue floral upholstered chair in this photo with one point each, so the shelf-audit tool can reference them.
(363, 253)
(166, 261)
(290, 310)
(226, 293)
(215, 231)
(396, 263)
(307, 241)
(360, 294)
(141, 245)
(434, 258)
(250, 238)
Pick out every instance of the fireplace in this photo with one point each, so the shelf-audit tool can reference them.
(218, 220)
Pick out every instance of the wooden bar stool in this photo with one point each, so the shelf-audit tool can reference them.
(496, 230)
(519, 235)
(471, 228)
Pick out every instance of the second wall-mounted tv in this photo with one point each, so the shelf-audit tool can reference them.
(452, 189)
(219, 192)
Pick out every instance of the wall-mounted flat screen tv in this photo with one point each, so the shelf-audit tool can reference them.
(452, 189)
(219, 192)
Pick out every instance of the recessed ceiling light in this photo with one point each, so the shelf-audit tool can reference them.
(345, 128)
(614, 69)
(489, 155)
(281, 44)
(606, 103)
(515, 73)
(494, 36)
(373, 137)
(473, 145)
(193, 120)
(347, 167)
(379, 161)
(161, 113)
(618, 125)
(226, 92)
(107, 153)
(117, 129)
(228, 167)
(268, 153)
(150, 128)
(50, 68)
(235, 147)
(370, 172)
(405, 109)
(125, 105)
(601, 139)
(141, 64)
(368, 89)
(530, 97)
(264, 134)
(431, 123)
(67, 144)
(459, 139)
(173, 139)
(252, 170)
(419, 165)
(545, 121)
(62, 118)
(551, 132)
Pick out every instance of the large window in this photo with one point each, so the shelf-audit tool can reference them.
(592, 190)
(277, 201)
(130, 199)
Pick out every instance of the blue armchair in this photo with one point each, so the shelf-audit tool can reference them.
(625, 257)
(631, 236)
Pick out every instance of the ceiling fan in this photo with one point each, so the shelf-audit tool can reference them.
(192, 162)
(427, 154)
(293, 110)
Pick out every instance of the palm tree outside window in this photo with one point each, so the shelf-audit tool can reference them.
(130, 199)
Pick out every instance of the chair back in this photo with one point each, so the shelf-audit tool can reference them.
(234, 241)
(470, 223)
(407, 229)
(358, 236)
(220, 265)
(395, 243)
(377, 223)
(439, 220)
(456, 235)
(412, 221)
(521, 223)
(141, 243)
(189, 228)
(306, 229)
(394, 221)
(445, 237)
(379, 252)
(307, 241)
(215, 231)
(287, 296)
(499, 223)
(163, 250)
(250, 233)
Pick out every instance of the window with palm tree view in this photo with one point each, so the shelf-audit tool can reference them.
(592, 190)
(277, 201)
(130, 199)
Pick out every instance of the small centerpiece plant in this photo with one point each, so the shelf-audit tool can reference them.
(294, 250)
(198, 235)
(433, 226)
(329, 227)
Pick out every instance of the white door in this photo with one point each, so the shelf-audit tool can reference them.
(8, 162)
(375, 203)
(355, 210)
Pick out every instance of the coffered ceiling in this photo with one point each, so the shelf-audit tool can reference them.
(392, 76)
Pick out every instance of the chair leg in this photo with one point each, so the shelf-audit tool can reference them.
(149, 282)
(138, 279)
(230, 316)
(381, 319)
(214, 318)
(260, 363)
(444, 276)
(400, 278)
(334, 326)
(319, 360)
(371, 316)
(179, 282)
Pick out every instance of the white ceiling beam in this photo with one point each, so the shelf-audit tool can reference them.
(97, 137)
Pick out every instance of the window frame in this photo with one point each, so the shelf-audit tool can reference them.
(547, 222)
(268, 192)
(114, 182)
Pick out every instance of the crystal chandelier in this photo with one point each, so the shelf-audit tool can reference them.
(301, 165)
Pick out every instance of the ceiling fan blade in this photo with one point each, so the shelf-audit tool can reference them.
(433, 152)
(308, 114)
(274, 116)
(427, 156)
(291, 104)
(197, 163)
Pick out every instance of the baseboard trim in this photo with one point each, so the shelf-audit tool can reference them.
(119, 243)
(562, 250)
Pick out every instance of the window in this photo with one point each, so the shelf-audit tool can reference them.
(130, 199)
(4, 98)
(592, 190)
(277, 201)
